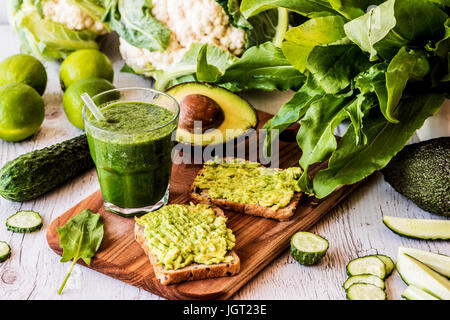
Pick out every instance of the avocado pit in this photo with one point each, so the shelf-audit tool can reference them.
(199, 112)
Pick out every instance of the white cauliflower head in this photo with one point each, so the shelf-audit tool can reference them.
(190, 21)
(71, 16)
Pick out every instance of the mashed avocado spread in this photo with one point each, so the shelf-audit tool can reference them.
(179, 235)
(249, 182)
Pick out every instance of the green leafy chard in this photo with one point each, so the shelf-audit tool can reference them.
(80, 238)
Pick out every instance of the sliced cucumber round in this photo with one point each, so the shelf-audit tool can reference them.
(364, 278)
(367, 265)
(308, 248)
(5, 251)
(24, 222)
(388, 263)
(431, 229)
(365, 291)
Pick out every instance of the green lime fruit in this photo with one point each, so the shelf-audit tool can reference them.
(22, 111)
(72, 102)
(23, 68)
(83, 64)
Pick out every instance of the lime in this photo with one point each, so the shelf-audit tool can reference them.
(83, 64)
(23, 68)
(73, 105)
(22, 111)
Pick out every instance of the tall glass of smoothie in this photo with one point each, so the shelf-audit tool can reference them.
(132, 148)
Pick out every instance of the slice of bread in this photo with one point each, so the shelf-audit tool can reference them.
(191, 272)
(282, 214)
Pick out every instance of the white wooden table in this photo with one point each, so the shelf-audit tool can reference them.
(353, 228)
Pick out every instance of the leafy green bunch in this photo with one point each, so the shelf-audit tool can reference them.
(382, 67)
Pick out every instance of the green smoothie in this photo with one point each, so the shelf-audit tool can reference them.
(132, 152)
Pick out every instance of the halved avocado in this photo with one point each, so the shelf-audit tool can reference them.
(224, 114)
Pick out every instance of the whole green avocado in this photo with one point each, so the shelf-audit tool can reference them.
(421, 172)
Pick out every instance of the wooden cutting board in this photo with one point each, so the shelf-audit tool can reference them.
(258, 240)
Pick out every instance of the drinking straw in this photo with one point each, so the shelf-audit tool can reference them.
(92, 107)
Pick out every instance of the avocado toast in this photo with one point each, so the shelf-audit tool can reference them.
(248, 187)
(187, 242)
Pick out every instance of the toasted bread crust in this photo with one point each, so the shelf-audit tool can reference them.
(282, 214)
(191, 272)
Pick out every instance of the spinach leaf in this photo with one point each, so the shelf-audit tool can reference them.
(301, 40)
(356, 111)
(386, 28)
(202, 62)
(372, 32)
(296, 107)
(315, 136)
(80, 237)
(133, 21)
(334, 66)
(262, 67)
(351, 9)
(430, 16)
(212, 62)
(397, 75)
(351, 163)
(309, 8)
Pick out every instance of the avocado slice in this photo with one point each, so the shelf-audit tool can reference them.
(237, 116)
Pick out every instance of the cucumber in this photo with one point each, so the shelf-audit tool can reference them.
(308, 248)
(5, 251)
(364, 278)
(414, 293)
(365, 291)
(35, 173)
(388, 263)
(367, 265)
(430, 229)
(415, 273)
(438, 262)
(24, 222)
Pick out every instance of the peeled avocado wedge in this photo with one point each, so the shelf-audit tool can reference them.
(223, 114)
(430, 229)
